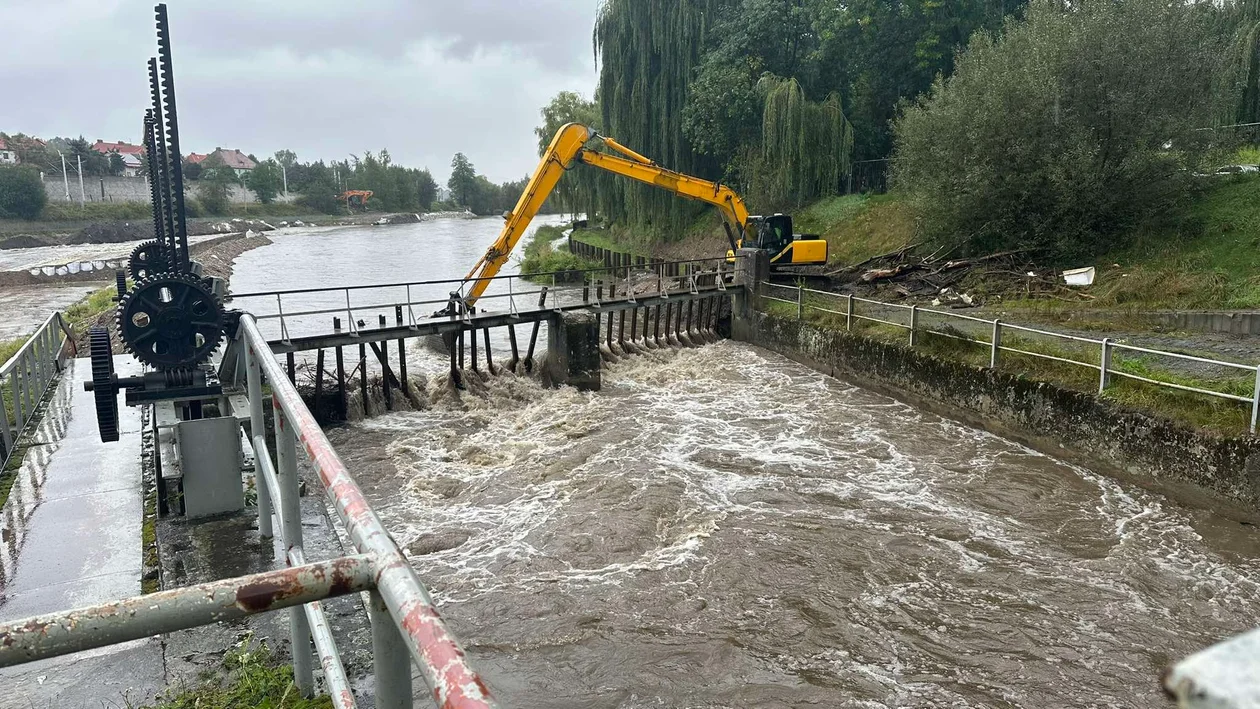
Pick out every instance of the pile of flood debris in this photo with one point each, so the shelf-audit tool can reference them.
(961, 282)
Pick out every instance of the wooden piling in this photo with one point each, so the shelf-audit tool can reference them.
(472, 353)
(402, 355)
(634, 325)
(485, 331)
(363, 389)
(656, 330)
(319, 384)
(533, 337)
(621, 330)
(516, 357)
(341, 382)
(292, 367)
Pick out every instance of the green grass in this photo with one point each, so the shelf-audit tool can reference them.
(8, 348)
(252, 677)
(87, 310)
(542, 256)
(1208, 257)
(1198, 410)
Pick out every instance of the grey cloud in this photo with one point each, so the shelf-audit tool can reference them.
(423, 78)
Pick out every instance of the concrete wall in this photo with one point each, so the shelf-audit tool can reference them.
(1151, 451)
(118, 189)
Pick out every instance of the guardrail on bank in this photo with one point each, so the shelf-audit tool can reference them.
(405, 623)
(846, 308)
(26, 377)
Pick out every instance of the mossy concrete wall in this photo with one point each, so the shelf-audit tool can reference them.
(1153, 451)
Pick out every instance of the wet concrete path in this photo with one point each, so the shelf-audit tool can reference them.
(70, 536)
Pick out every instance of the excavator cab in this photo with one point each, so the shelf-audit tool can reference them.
(773, 234)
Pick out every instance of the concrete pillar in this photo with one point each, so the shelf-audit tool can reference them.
(752, 268)
(573, 351)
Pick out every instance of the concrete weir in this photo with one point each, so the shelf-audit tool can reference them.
(573, 351)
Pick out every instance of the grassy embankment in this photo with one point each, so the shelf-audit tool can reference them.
(252, 677)
(541, 254)
(1208, 258)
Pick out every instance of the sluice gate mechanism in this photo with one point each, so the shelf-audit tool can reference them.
(171, 318)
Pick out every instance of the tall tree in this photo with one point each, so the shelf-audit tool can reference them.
(575, 191)
(266, 181)
(463, 180)
(1056, 134)
(649, 50)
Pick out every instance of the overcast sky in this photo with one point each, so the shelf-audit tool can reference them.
(423, 78)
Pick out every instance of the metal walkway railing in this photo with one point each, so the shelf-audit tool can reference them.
(25, 378)
(511, 294)
(406, 626)
(807, 300)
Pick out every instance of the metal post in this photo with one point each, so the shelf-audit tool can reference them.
(292, 367)
(390, 660)
(621, 329)
(1104, 368)
(1255, 402)
(914, 325)
(253, 383)
(472, 340)
(291, 533)
(533, 337)
(634, 325)
(997, 344)
(848, 312)
(656, 330)
(6, 434)
(15, 387)
(800, 304)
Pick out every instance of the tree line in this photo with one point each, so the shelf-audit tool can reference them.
(1007, 122)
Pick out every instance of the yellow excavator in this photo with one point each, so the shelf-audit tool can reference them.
(570, 146)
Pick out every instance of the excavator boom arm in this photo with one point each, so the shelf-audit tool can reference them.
(567, 148)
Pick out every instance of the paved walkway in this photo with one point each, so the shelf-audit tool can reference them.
(70, 537)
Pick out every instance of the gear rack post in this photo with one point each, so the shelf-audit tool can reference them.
(173, 321)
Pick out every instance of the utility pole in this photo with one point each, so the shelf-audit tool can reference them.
(65, 180)
(82, 194)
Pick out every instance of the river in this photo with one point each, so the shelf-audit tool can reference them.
(721, 527)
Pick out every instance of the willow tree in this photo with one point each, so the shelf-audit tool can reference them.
(649, 50)
(1239, 83)
(806, 146)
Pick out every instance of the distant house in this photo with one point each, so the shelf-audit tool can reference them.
(234, 159)
(197, 158)
(8, 156)
(132, 164)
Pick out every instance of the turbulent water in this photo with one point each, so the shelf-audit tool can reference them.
(721, 527)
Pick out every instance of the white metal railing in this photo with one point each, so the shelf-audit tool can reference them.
(405, 624)
(26, 377)
(845, 307)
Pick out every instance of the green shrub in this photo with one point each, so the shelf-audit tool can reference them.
(22, 193)
(1066, 130)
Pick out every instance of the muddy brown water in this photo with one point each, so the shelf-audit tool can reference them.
(721, 527)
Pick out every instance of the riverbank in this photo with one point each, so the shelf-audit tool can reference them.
(1190, 463)
(1205, 259)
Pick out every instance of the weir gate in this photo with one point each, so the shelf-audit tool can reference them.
(210, 448)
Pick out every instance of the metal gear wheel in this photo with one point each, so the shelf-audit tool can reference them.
(104, 390)
(147, 259)
(171, 321)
